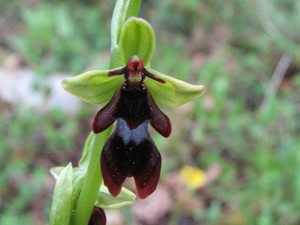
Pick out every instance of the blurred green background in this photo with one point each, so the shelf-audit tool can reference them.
(244, 133)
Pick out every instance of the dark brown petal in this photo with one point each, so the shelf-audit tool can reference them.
(116, 72)
(98, 217)
(152, 76)
(158, 120)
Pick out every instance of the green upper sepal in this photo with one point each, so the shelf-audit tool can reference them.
(137, 38)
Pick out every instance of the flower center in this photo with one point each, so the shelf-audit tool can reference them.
(135, 70)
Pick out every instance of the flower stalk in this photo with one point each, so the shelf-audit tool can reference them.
(92, 181)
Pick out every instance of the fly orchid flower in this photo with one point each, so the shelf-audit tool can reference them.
(132, 102)
(130, 150)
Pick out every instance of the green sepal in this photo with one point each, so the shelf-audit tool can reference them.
(106, 201)
(78, 179)
(174, 92)
(93, 87)
(137, 38)
(61, 204)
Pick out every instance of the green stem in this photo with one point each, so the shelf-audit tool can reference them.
(122, 11)
(92, 182)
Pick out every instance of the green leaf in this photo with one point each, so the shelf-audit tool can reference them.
(61, 205)
(93, 87)
(77, 181)
(106, 201)
(137, 38)
(55, 171)
(174, 92)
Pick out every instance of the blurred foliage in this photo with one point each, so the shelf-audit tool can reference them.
(60, 37)
(231, 48)
(30, 143)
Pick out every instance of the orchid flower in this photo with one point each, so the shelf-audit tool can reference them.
(133, 101)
